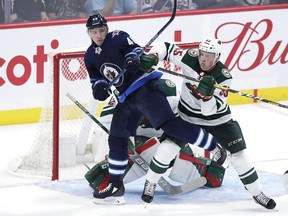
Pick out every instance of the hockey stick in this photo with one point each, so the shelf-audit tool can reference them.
(136, 158)
(148, 44)
(222, 87)
(87, 112)
(166, 185)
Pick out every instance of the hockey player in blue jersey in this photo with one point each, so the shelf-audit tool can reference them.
(140, 95)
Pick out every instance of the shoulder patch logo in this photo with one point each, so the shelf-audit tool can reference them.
(226, 73)
(170, 83)
(193, 52)
(115, 33)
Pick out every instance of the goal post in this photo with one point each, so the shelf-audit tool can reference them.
(63, 67)
(63, 131)
(65, 135)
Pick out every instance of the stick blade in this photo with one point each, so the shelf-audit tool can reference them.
(184, 188)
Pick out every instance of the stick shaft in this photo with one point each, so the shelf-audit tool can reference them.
(223, 88)
(87, 112)
(148, 44)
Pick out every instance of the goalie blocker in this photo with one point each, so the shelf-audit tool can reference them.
(184, 168)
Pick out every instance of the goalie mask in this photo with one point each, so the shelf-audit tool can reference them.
(211, 45)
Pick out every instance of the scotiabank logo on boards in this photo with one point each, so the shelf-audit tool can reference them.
(39, 59)
(250, 43)
(71, 69)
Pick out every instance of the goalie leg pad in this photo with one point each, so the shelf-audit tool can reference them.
(146, 151)
(187, 168)
(183, 171)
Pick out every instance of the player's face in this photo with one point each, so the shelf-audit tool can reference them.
(206, 60)
(98, 35)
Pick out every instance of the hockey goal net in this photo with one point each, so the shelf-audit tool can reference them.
(66, 136)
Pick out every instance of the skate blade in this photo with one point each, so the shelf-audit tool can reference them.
(146, 205)
(110, 201)
(274, 210)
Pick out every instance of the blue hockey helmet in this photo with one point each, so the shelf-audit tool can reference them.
(96, 21)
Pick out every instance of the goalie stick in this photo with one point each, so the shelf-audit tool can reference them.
(136, 158)
(148, 44)
(166, 185)
(222, 87)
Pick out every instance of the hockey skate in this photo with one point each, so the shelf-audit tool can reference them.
(265, 201)
(221, 156)
(112, 194)
(148, 192)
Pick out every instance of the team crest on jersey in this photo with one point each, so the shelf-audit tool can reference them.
(110, 71)
(115, 33)
(226, 73)
(98, 50)
(169, 83)
(193, 52)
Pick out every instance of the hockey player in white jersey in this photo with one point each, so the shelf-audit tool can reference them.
(207, 107)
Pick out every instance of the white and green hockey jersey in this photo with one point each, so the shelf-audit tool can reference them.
(191, 108)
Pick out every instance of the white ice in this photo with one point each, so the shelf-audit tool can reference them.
(265, 130)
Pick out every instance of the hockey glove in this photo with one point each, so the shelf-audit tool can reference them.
(206, 88)
(132, 59)
(147, 61)
(100, 91)
(98, 175)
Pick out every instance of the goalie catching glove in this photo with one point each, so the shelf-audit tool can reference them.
(98, 175)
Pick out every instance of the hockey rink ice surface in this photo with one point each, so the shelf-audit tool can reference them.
(266, 133)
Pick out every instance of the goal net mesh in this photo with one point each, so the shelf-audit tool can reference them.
(66, 135)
